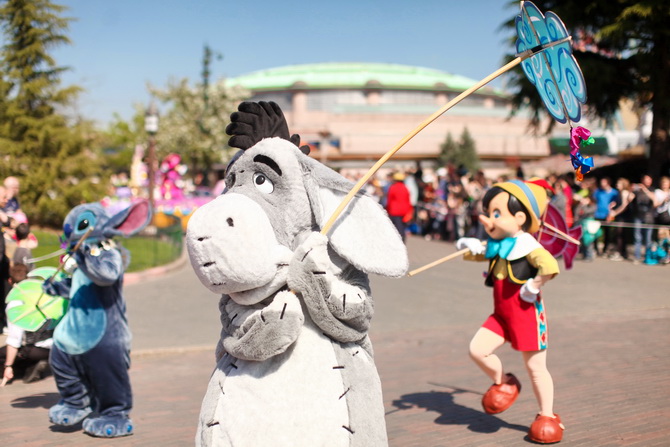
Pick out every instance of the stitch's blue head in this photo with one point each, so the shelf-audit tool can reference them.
(92, 215)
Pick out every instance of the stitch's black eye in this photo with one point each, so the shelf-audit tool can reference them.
(85, 221)
(263, 184)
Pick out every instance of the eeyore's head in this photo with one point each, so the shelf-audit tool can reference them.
(276, 195)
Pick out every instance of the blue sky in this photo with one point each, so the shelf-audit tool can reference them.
(119, 46)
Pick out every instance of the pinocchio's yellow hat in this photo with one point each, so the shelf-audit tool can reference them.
(531, 195)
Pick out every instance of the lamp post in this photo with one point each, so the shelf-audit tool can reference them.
(151, 127)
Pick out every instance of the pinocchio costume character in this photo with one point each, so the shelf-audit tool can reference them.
(518, 267)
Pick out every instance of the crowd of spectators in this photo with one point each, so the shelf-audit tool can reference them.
(626, 220)
(25, 353)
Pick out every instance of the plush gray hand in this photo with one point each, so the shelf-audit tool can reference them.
(338, 299)
(260, 332)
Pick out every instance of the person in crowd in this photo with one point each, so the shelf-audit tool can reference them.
(559, 200)
(442, 183)
(643, 214)
(4, 216)
(456, 205)
(662, 202)
(23, 252)
(563, 183)
(622, 214)
(26, 354)
(412, 187)
(374, 189)
(606, 198)
(12, 185)
(591, 228)
(398, 204)
(4, 260)
(664, 244)
(476, 190)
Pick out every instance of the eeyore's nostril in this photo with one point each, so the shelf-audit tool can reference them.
(200, 239)
(230, 222)
(207, 264)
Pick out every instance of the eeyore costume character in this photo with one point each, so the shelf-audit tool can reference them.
(91, 352)
(294, 362)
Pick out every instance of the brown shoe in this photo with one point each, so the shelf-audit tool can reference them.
(499, 398)
(546, 430)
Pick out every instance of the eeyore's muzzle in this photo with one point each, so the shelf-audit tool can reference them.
(232, 245)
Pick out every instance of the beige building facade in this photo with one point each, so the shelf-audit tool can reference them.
(353, 113)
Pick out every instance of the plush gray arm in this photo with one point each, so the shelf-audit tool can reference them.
(261, 331)
(338, 299)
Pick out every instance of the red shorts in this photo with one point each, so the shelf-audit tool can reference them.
(523, 324)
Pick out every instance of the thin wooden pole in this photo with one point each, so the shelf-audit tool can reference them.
(530, 53)
(562, 235)
(439, 261)
(550, 227)
(326, 228)
(61, 266)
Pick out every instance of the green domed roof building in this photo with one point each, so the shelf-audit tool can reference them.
(355, 75)
(351, 113)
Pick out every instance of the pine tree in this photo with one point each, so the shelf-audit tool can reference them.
(468, 152)
(48, 155)
(448, 151)
(461, 153)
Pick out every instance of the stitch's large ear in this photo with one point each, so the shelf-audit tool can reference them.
(129, 221)
(363, 233)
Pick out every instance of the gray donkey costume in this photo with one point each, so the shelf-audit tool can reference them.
(294, 362)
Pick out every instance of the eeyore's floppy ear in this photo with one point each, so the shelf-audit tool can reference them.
(363, 233)
(129, 221)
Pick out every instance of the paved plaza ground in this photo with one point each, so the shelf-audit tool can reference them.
(609, 326)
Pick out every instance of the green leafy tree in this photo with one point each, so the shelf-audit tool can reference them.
(623, 48)
(51, 157)
(194, 124)
(459, 153)
(119, 139)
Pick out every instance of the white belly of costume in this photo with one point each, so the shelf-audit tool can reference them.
(277, 402)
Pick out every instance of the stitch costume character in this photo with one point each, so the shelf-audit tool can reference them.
(518, 267)
(294, 362)
(91, 352)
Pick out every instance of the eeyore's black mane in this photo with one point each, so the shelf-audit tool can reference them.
(255, 121)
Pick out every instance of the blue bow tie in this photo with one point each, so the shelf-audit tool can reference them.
(502, 248)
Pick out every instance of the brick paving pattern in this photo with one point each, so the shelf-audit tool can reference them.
(608, 354)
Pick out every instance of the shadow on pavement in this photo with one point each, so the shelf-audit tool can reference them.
(43, 400)
(66, 429)
(451, 413)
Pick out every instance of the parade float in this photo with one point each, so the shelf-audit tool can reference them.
(171, 196)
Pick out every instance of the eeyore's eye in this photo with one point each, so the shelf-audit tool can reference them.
(262, 183)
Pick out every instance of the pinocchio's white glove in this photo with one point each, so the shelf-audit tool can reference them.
(471, 243)
(529, 292)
